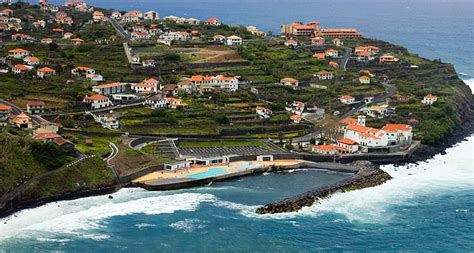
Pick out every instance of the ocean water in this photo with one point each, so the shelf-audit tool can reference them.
(426, 207)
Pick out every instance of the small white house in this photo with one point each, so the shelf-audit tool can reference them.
(97, 101)
(263, 112)
(331, 53)
(364, 80)
(292, 43)
(429, 99)
(347, 99)
(324, 149)
(233, 41)
(325, 75)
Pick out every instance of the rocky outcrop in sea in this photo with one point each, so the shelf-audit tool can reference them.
(369, 175)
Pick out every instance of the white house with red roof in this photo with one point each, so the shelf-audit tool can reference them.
(132, 16)
(98, 16)
(295, 118)
(429, 99)
(144, 88)
(209, 83)
(97, 101)
(364, 80)
(297, 107)
(175, 103)
(389, 135)
(82, 71)
(331, 53)
(110, 88)
(116, 15)
(31, 60)
(218, 38)
(151, 15)
(18, 53)
(292, 43)
(20, 68)
(338, 42)
(213, 22)
(288, 81)
(35, 107)
(346, 99)
(5, 112)
(318, 41)
(324, 149)
(263, 112)
(348, 144)
(45, 72)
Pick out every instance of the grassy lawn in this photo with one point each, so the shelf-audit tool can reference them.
(100, 145)
(129, 160)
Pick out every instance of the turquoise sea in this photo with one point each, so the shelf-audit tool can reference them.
(426, 207)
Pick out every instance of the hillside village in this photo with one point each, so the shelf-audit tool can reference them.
(77, 67)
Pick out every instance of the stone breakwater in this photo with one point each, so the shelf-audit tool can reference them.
(368, 175)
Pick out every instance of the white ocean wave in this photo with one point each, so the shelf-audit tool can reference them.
(470, 83)
(189, 225)
(144, 225)
(442, 174)
(79, 217)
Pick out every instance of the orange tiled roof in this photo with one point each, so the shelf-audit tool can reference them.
(347, 97)
(46, 70)
(18, 50)
(108, 85)
(347, 141)
(348, 121)
(5, 107)
(358, 128)
(97, 97)
(21, 67)
(325, 147)
(396, 127)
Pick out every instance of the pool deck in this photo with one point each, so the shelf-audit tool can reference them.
(170, 180)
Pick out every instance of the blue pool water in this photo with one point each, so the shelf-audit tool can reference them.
(212, 172)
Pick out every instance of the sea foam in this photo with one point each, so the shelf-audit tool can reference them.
(80, 217)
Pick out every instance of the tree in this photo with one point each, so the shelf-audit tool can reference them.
(328, 128)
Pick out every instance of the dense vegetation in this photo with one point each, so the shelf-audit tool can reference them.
(22, 159)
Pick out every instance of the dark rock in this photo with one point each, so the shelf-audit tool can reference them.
(111, 197)
(368, 175)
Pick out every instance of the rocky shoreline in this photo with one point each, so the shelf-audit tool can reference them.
(369, 175)
(425, 152)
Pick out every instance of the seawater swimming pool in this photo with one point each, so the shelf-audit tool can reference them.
(212, 172)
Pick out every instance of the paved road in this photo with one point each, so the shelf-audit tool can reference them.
(345, 58)
(119, 28)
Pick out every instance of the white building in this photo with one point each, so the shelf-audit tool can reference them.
(429, 99)
(18, 53)
(288, 81)
(97, 101)
(151, 15)
(209, 83)
(331, 53)
(233, 41)
(325, 75)
(346, 99)
(35, 107)
(82, 71)
(132, 16)
(110, 88)
(364, 80)
(263, 112)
